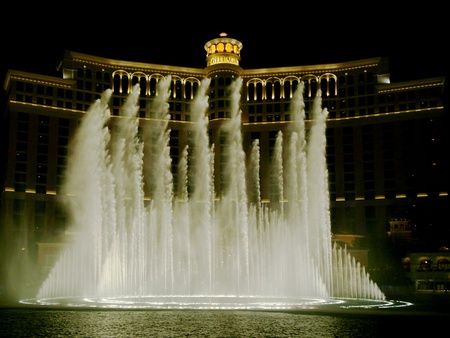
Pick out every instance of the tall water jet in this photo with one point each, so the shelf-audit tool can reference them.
(200, 247)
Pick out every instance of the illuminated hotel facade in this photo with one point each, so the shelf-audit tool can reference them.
(385, 141)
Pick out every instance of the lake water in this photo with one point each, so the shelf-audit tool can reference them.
(24, 321)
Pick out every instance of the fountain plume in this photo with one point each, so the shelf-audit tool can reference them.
(186, 246)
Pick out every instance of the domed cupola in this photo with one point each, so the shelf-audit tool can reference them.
(223, 54)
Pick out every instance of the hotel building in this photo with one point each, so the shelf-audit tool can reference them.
(385, 141)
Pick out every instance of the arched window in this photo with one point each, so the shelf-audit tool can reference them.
(311, 85)
(328, 85)
(188, 92)
(259, 91)
(277, 90)
(443, 264)
(124, 84)
(270, 94)
(143, 85)
(425, 264)
(116, 84)
(290, 84)
(251, 92)
(272, 89)
(153, 85)
(254, 89)
(195, 88)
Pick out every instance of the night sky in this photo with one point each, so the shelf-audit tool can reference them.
(415, 41)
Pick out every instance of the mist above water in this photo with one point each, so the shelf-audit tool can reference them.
(196, 243)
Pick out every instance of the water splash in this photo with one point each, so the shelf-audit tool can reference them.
(204, 246)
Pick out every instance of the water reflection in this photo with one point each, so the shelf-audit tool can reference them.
(197, 323)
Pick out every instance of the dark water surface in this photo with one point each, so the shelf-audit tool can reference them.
(182, 323)
(22, 321)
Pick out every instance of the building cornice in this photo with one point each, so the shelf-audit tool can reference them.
(306, 69)
(36, 78)
(246, 73)
(411, 85)
(131, 65)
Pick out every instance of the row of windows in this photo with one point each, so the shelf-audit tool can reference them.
(42, 151)
(258, 110)
(259, 91)
(342, 108)
(365, 107)
(123, 81)
(433, 286)
(348, 139)
(268, 89)
(42, 211)
(369, 192)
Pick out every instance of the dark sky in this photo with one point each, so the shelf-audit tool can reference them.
(415, 42)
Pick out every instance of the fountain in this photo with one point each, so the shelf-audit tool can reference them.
(202, 249)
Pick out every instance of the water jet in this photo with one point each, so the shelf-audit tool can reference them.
(199, 248)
